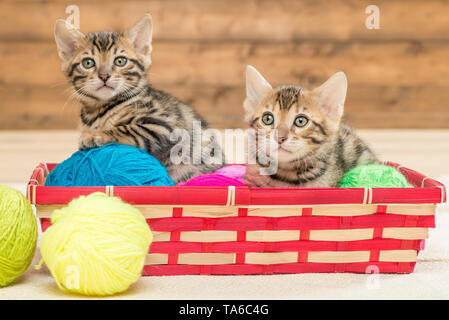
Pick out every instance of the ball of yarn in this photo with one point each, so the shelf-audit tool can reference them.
(374, 176)
(96, 245)
(113, 164)
(212, 180)
(236, 171)
(18, 234)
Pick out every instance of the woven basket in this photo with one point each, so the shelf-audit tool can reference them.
(242, 230)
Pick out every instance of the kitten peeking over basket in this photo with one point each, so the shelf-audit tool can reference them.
(313, 148)
(108, 71)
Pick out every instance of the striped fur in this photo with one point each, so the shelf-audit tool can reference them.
(127, 109)
(316, 155)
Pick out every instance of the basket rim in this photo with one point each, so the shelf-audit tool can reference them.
(426, 190)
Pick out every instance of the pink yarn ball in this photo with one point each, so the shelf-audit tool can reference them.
(212, 180)
(236, 171)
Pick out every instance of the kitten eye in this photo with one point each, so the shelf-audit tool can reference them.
(120, 61)
(301, 121)
(88, 63)
(268, 119)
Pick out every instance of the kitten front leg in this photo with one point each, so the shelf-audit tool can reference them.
(254, 178)
(93, 139)
(120, 134)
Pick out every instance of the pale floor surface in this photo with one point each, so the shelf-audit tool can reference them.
(424, 151)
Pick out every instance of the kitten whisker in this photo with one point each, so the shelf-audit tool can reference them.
(76, 94)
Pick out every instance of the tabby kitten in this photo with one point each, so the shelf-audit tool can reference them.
(108, 71)
(314, 149)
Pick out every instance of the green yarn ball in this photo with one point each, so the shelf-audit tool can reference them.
(374, 176)
(18, 235)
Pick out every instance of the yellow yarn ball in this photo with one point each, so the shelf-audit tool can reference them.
(18, 234)
(96, 245)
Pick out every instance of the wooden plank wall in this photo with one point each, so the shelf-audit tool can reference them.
(398, 75)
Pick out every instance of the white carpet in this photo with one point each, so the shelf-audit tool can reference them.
(430, 280)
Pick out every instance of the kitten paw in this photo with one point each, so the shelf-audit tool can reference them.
(89, 140)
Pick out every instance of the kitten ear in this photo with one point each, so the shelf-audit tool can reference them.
(331, 95)
(141, 35)
(256, 88)
(68, 39)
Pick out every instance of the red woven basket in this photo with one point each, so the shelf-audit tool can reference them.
(242, 230)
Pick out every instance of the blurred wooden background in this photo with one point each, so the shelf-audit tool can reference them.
(398, 75)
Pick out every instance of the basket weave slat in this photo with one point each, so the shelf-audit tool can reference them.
(152, 212)
(336, 235)
(206, 258)
(156, 258)
(161, 236)
(208, 236)
(398, 256)
(237, 269)
(406, 233)
(240, 247)
(268, 258)
(342, 210)
(286, 223)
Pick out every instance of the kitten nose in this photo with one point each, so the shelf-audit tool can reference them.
(282, 133)
(281, 139)
(104, 76)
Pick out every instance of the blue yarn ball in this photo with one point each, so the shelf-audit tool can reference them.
(111, 165)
